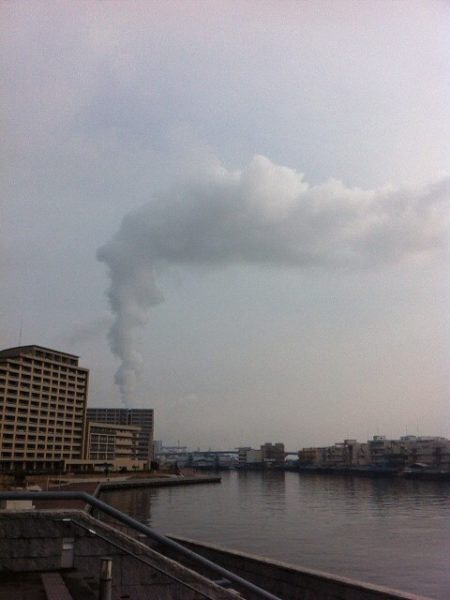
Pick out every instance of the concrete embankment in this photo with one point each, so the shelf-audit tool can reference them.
(96, 486)
(154, 482)
(375, 473)
(285, 580)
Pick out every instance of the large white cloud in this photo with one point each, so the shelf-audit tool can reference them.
(264, 214)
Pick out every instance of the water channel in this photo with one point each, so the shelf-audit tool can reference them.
(385, 531)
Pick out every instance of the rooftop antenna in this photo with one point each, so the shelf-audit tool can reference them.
(20, 332)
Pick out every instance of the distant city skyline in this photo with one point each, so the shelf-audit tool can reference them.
(237, 214)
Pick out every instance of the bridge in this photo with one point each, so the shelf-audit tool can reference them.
(209, 453)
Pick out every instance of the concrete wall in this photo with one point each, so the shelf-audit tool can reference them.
(290, 582)
(33, 541)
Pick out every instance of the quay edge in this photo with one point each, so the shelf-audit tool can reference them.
(155, 482)
(293, 582)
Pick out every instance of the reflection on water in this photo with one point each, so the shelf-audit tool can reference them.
(136, 503)
(386, 531)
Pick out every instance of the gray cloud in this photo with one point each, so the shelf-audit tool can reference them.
(268, 215)
(85, 332)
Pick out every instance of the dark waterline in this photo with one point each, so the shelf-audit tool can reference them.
(385, 531)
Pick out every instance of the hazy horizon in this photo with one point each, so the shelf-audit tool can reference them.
(235, 213)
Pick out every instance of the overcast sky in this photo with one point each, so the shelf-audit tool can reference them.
(236, 213)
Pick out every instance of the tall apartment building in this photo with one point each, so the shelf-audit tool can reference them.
(43, 399)
(141, 417)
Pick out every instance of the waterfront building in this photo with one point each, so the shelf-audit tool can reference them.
(115, 446)
(249, 456)
(408, 451)
(43, 398)
(312, 457)
(273, 453)
(335, 455)
(356, 454)
(267, 455)
(379, 448)
(140, 417)
(427, 450)
(242, 454)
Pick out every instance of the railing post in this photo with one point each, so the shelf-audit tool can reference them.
(105, 587)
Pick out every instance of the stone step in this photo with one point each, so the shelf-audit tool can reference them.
(54, 586)
(80, 586)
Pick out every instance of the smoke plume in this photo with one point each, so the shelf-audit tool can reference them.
(263, 214)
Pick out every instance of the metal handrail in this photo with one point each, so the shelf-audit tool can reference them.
(137, 556)
(148, 531)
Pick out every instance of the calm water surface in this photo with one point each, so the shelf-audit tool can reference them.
(384, 531)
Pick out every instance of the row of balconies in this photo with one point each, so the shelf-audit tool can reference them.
(20, 409)
(12, 385)
(41, 428)
(31, 456)
(52, 392)
(101, 456)
(44, 400)
(21, 435)
(48, 444)
(58, 358)
(54, 359)
(45, 375)
(44, 441)
(55, 453)
(24, 417)
(40, 420)
(33, 406)
(43, 369)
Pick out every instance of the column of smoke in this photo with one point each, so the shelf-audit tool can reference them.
(263, 214)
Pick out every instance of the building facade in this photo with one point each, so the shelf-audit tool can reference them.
(268, 455)
(43, 400)
(409, 451)
(273, 452)
(114, 446)
(140, 417)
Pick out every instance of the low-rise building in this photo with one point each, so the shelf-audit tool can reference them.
(253, 456)
(115, 446)
(312, 457)
(273, 453)
(381, 453)
(248, 456)
(356, 454)
(242, 454)
(140, 417)
(268, 455)
(427, 450)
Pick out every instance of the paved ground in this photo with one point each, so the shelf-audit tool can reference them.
(29, 586)
(21, 586)
(88, 487)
